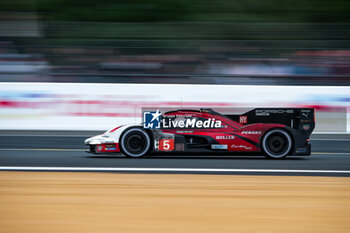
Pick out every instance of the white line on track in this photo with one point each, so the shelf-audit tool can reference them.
(330, 153)
(134, 169)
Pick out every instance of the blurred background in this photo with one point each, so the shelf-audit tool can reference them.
(299, 42)
(280, 43)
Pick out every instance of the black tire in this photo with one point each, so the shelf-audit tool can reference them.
(135, 142)
(277, 144)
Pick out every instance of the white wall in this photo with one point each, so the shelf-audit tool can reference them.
(77, 106)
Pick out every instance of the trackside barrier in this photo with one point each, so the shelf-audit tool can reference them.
(90, 106)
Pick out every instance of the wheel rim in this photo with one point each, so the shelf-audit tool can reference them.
(135, 142)
(277, 143)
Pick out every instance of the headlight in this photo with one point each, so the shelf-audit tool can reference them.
(94, 142)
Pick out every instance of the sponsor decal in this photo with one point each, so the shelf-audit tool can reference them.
(184, 131)
(110, 147)
(241, 147)
(305, 110)
(191, 123)
(218, 147)
(267, 112)
(151, 120)
(305, 114)
(166, 145)
(99, 148)
(251, 132)
(225, 137)
(243, 119)
(306, 126)
(155, 120)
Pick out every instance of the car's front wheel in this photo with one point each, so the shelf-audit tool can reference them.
(277, 143)
(135, 142)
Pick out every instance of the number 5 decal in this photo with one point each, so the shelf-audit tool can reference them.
(166, 145)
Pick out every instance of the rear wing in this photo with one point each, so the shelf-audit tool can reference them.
(296, 118)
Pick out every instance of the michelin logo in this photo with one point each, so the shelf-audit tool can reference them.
(151, 120)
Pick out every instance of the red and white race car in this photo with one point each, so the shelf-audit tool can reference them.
(275, 132)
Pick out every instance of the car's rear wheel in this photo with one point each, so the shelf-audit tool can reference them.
(277, 144)
(135, 142)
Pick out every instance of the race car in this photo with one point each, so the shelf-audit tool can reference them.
(274, 132)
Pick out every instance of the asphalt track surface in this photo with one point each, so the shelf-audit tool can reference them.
(64, 151)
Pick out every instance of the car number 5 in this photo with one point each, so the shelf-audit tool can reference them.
(166, 145)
